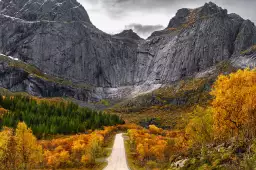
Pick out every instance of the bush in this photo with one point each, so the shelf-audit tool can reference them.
(200, 127)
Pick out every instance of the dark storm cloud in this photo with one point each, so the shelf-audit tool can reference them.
(144, 30)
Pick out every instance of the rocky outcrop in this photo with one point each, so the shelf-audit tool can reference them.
(16, 79)
(58, 37)
(129, 34)
(194, 40)
(65, 44)
(48, 10)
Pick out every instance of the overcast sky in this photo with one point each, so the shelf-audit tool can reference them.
(146, 16)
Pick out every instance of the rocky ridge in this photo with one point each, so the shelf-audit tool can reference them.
(20, 77)
(195, 40)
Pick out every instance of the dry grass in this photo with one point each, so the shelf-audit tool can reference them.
(170, 106)
(252, 49)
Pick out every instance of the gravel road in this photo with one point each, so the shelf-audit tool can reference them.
(117, 159)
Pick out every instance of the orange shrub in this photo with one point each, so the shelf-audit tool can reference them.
(75, 150)
(156, 144)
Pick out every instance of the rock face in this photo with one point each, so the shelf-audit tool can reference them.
(38, 10)
(194, 40)
(129, 34)
(16, 79)
(58, 37)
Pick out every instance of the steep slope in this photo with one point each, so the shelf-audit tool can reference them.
(19, 76)
(36, 10)
(194, 40)
(58, 38)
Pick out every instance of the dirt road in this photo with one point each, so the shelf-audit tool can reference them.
(117, 159)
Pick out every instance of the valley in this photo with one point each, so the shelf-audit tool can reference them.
(73, 97)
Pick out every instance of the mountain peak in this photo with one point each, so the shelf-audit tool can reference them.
(185, 15)
(51, 10)
(211, 4)
(129, 34)
(210, 9)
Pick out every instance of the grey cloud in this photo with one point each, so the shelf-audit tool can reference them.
(144, 30)
(125, 10)
(119, 8)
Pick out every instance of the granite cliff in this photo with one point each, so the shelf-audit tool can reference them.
(58, 38)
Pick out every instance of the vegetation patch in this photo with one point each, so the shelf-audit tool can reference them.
(19, 149)
(220, 135)
(249, 51)
(53, 116)
(168, 105)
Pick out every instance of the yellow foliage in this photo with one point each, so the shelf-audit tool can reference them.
(141, 151)
(234, 105)
(86, 158)
(172, 29)
(64, 156)
(76, 149)
(29, 153)
(154, 144)
(19, 150)
(2, 111)
(200, 127)
(7, 150)
(155, 130)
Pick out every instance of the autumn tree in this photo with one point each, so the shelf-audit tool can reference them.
(200, 127)
(93, 149)
(78, 150)
(7, 150)
(234, 104)
(19, 150)
(154, 144)
(154, 129)
(28, 152)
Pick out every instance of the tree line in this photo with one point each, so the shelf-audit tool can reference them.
(50, 118)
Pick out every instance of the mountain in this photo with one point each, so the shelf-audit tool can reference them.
(194, 40)
(128, 34)
(58, 38)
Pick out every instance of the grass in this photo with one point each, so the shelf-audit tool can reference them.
(97, 167)
(170, 105)
(250, 50)
(108, 145)
(101, 163)
(6, 92)
(225, 67)
(39, 74)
